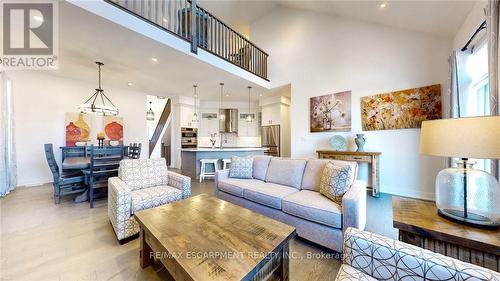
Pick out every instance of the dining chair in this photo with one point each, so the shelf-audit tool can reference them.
(65, 183)
(104, 163)
(134, 151)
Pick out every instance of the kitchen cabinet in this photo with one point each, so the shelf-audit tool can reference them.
(186, 117)
(271, 114)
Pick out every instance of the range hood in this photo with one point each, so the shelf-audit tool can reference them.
(229, 124)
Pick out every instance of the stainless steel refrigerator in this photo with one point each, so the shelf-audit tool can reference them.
(271, 139)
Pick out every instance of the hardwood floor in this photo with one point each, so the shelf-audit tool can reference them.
(44, 241)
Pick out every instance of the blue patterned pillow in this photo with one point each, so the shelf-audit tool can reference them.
(241, 167)
(335, 181)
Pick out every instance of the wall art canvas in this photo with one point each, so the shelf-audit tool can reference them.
(401, 109)
(77, 128)
(113, 129)
(331, 112)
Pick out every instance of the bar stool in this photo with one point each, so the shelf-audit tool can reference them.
(225, 163)
(203, 171)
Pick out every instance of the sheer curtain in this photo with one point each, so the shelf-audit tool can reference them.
(492, 12)
(8, 174)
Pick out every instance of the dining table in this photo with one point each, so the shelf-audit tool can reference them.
(77, 158)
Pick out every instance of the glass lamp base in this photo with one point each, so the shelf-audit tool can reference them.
(471, 219)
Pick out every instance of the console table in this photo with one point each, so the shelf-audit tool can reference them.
(372, 158)
(420, 225)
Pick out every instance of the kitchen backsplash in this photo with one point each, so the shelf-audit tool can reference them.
(233, 140)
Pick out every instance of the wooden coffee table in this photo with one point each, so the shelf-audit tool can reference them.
(205, 238)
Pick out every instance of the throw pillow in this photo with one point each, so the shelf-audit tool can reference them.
(335, 181)
(241, 167)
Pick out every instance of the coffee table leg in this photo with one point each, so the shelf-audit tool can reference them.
(145, 251)
(283, 268)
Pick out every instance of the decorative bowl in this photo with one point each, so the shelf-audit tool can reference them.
(81, 143)
(338, 143)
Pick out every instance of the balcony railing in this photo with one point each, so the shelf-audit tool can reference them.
(201, 29)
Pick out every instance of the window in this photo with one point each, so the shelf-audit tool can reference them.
(475, 100)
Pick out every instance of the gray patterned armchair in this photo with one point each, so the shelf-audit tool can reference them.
(368, 256)
(142, 184)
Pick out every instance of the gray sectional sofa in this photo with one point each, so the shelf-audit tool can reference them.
(288, 190)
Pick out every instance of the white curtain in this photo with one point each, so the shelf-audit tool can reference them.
(492, 12)
(8, 169)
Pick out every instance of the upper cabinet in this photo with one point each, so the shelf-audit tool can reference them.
(273, 110)
(186, 117)
(271, 115)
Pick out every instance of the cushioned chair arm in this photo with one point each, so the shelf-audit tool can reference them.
(118, 200)
(180, 182)
(384, 258)
(220, 175)
(354, 206)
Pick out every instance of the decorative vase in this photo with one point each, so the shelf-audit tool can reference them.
(360, 142)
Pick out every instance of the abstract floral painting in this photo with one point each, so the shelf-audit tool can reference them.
(113, 128)
(77, 128)
(331, 112)
(401, 109)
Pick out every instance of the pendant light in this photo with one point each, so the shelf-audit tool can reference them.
(150, 115)
(249, 116)
(94, 106)
(221, 111)
(195, 114)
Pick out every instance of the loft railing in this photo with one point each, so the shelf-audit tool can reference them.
(201, 29)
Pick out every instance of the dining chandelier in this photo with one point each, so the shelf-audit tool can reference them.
(98, 102)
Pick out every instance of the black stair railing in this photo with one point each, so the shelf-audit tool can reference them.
(201, 29)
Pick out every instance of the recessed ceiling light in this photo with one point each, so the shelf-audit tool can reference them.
(154, 59)
(164, 20)
(383, 5)
(130, 84)
(260, 95)
(227, 95)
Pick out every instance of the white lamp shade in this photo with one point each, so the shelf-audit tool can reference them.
(471, 137)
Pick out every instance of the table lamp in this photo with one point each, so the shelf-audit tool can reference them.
(463, 193)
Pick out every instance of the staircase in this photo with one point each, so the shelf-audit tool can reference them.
(160, 126)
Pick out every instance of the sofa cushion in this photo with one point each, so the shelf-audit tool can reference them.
(287, 172)
(241, 167)
(313, 206)
(236, 186)
(268, 194)
(151, 197)
(314, 168)
(260, 165)
(336, 181)
(349, 273)
(143, 173)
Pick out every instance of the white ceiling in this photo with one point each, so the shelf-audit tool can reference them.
(442, 17)
(85, 38)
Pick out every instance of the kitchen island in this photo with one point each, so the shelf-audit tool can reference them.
(191, 157)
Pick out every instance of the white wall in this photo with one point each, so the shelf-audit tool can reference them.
(471, 23)
(40, 103)
(320, 54)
